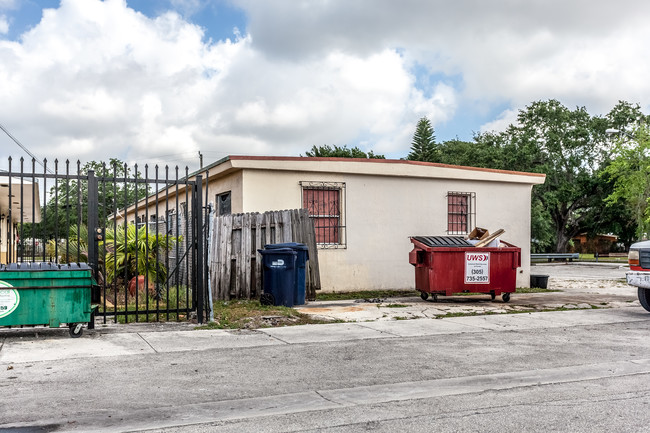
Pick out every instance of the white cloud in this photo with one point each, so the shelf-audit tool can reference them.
(97, 72)
(187, 7)
(138, 88)
(330, 100)
(4, 25)
(501, 123)
(516, 52)
(7, 4)
(95, 79)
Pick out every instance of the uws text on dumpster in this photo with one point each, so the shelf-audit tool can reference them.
(477, 268)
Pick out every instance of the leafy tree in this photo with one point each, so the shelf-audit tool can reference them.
(327, 151)
(487, 151)
(625, 115)
(67, 206)
(496, 150)
(572, 149)
(423, 146)
(630, 174)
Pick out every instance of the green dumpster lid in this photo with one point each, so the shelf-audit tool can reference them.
(44, 266)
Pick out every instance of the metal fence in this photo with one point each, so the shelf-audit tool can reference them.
(141, 233)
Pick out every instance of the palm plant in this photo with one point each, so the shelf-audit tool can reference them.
(121, 245)
(72, 249)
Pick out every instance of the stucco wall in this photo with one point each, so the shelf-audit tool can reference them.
(231, 182)
(6, 247)
(382, 212)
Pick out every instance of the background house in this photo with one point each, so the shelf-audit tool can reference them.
(20, 203)
(601, 244)
(364, 210)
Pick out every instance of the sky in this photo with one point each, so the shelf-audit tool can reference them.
(158, 81)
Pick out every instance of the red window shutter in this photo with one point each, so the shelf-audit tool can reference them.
(457, 210)
(323, 207)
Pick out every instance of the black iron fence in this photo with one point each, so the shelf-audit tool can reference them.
(142, 233)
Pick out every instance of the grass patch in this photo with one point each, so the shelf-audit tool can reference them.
(392, 306)
(242, 314)
(366, 294)
(529, 310)
(383, 294)
(535, 290)
(518, 290)
(592, 258)
(584, 258)
(466, 314)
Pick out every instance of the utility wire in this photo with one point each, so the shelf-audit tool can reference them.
(23, 147)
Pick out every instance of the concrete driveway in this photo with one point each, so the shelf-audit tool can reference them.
(580, 285)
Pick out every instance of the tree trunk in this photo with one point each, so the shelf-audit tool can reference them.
(561, 241)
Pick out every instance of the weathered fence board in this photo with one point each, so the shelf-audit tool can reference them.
(258, 262)
(236, 266)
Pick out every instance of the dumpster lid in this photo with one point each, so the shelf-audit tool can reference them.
(442, 241)
(44, 266)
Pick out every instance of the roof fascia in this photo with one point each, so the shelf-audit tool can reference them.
(384, 167)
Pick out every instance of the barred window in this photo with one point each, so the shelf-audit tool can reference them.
(461, 212)
(325, 202)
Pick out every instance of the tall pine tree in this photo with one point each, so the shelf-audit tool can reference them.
(423, 146)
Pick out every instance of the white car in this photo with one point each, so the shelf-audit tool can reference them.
(639, 275)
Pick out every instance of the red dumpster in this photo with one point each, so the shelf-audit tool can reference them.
(445, 265)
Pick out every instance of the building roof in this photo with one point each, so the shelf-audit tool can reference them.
(363, 166)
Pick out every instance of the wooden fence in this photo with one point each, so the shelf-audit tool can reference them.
(235, 266)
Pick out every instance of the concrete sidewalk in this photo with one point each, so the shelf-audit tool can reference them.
(603, 299)
(25, 346)
(415, 308)
(580, 285)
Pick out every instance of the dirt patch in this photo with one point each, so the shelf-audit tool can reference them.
(317, 310)
(252, 315)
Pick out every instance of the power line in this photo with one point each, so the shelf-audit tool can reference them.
(23, 147)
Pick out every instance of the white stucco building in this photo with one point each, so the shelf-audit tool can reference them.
(364, 210)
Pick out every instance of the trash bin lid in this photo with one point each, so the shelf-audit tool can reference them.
(442, 241)
(293, 245)
(278, 251)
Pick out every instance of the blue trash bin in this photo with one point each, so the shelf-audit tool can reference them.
(279, 276)
(301, 263)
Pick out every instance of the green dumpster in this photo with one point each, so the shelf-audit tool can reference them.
(46, 294)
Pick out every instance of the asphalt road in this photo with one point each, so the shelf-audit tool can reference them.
(581, 271)
(569, 371)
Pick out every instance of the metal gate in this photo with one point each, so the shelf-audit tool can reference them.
(143, 234)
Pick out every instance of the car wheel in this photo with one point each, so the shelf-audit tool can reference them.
(644, 298)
